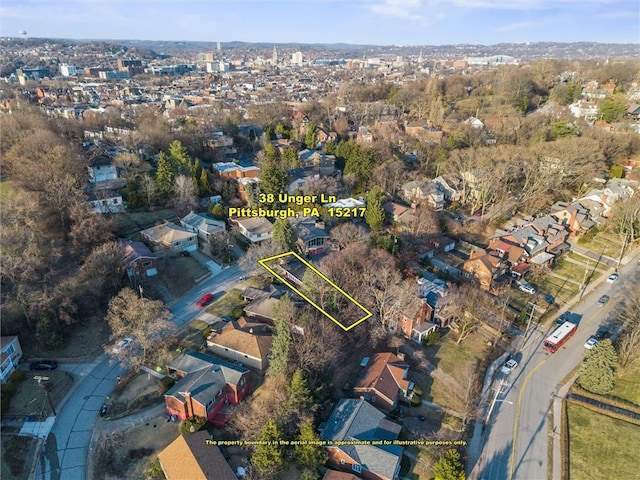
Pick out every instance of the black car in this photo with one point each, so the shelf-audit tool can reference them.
(43, 365)
(602, 333)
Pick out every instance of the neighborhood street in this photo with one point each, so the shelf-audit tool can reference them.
(517, 434)
(67, 447)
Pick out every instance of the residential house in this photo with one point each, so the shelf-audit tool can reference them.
(584, 109)
(355, 420)
(204, 225)
(573, 216)
(254, 229)
(140, 261)
(335, 475)
(633, 111)
(414, 320)
(102, 169)
(484, 268)
(191, 456)
(104, 201)
(10, 355)
(364, 135)
(312, 237)
(170, 238)
(443, 243)
(383, 381)
(474, 123)
(205, 387)
(243, 341)
(234, 171)
(450, 186)
(261, 304)
(395, 210)
(424, 192)
(425, 131)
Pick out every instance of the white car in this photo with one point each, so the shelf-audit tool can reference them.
(591, 342)
(612, 278)
(508, 367)
(122, 344)
(525, 287)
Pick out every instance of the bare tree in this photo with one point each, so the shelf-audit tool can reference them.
(184, 194)
(142, 320)
(348, 233)
(149, 188)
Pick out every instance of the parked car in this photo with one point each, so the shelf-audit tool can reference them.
(122, 344)
(603, 332)
(550, 299)
(612, 278)
(205, 300)
(525, 287)
(508, 367)
(591, 342)
(43, 365)
(603, 299)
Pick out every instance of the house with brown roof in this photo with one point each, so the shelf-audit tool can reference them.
(243, 341)
(484, 268)
(192, 456)
(140, 261)
(424, 131)
(206, 387)
(384, 381)
(171, 238)
(335, 475)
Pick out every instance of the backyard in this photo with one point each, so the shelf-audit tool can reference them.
(628, 383)
(130, 222)
(595, 446)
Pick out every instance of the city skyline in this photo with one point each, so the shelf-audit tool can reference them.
(405, 22)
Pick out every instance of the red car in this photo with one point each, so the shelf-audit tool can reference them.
(205, 300)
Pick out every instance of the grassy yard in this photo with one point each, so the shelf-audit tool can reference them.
(606, 243)
(179, 274)
(192, 334)
(601, 445)
(17, 456)
(226, 304)
(628, 383)
(127, 223)
(30, 399)
(576, 272)
(578, 257)
(561, 290)
(138, 392)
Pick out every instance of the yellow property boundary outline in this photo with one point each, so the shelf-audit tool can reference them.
(264, 261)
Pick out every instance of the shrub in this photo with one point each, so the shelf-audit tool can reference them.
(431, 339)
(237, 312)
(196, 422)
(154, 471)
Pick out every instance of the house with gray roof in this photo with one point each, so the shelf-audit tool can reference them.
(360, 424)
(204, 225)
(205, 387)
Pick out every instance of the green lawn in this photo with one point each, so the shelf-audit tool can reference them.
(628, 383)
(601, 447)
(605, 243)
(561, 290)
(225, 305)
(578, 257)
(193, 333)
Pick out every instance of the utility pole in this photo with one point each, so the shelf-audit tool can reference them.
(526, 330)
(41, 379)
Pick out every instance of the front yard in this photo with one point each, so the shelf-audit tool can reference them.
(30, 399)
(179, 274)
(229, 305)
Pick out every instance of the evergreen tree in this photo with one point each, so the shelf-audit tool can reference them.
(290, 158)
(179, 157)
(269, 455)
(299, 392)
(309, 452)
(597, 372)
(279, 355)
(311, 137)
(165, 179)
(205, 185)
(449, 467)
(374, 215)
(283, 234)
(273, 182)
(218, 211)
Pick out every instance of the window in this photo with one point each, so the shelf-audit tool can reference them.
(356, 468)
(341, 461)
(11, 349)
(146, 264)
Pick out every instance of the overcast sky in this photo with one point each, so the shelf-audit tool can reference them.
(381, 22)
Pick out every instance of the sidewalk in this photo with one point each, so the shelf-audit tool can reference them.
(557, 430)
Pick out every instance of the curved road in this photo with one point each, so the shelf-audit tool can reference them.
(517, 436)
(67, 447)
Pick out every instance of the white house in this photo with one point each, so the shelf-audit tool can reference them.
(10, 356)
(203, 225)
(102, 169)
(105, 201)
(255, 229)
(171, 237)
(584, 109)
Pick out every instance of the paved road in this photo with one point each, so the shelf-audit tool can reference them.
(67, 446)
(520, 414)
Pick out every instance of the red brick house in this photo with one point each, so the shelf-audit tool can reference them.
(484, 268)
(205, 387)
(140, 261)
(383, 381)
